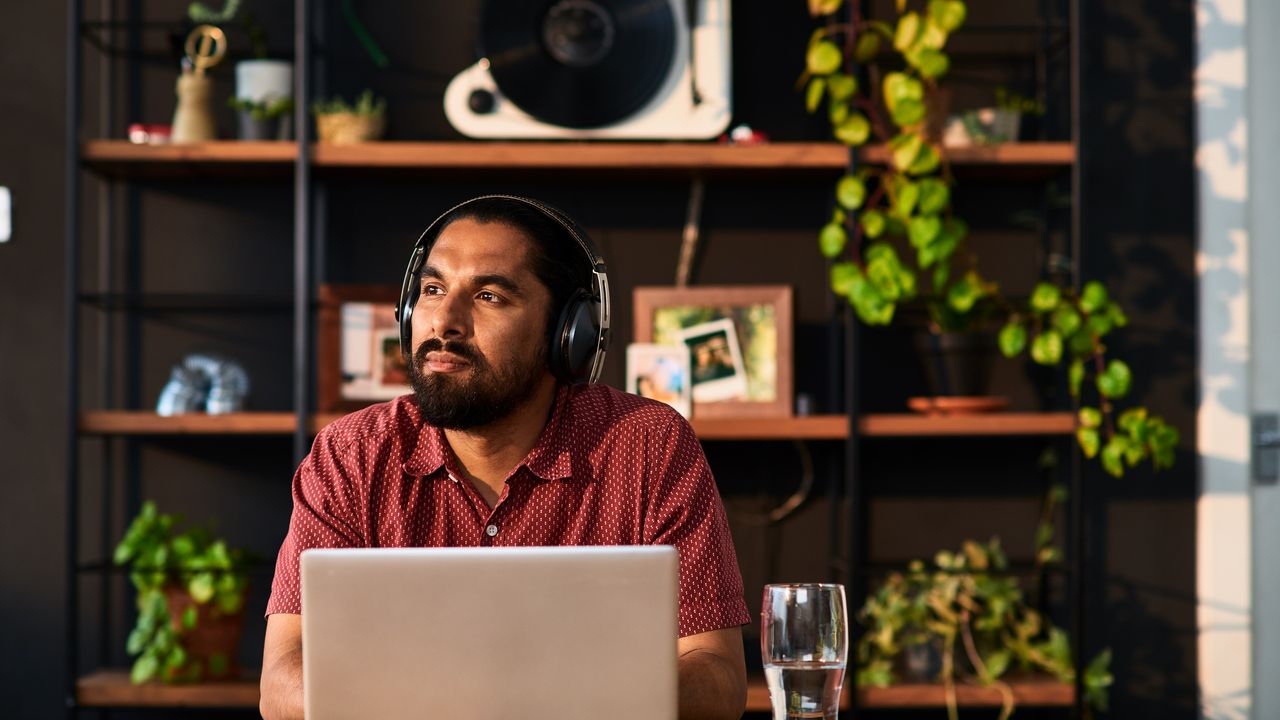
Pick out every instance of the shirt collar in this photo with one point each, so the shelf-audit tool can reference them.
(550, 459)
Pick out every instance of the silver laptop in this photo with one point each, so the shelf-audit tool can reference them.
(490, 633)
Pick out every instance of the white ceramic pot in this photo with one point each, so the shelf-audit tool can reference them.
(262, 80)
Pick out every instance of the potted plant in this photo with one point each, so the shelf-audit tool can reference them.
(340, 123)
(965, 620)
(893, 237)
(1000, 123)
(191, 590)
(264, 86)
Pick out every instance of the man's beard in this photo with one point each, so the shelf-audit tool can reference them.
(485, 396)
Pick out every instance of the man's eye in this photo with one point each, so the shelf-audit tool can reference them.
(432, 290)
(489, 297)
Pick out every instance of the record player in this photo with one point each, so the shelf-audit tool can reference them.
(597, 69)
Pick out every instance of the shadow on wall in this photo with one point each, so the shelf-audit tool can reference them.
(1138, 125)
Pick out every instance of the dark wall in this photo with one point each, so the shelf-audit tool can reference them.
(210, 236)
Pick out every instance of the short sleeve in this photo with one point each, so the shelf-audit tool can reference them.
(326, 512)
(684, 510)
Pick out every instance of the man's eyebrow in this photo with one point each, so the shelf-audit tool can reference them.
(494, 279)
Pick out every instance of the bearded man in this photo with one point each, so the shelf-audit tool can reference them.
(507, 440)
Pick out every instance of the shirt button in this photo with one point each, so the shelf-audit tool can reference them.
(491, 530)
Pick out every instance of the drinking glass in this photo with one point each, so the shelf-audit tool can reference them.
(804, 639)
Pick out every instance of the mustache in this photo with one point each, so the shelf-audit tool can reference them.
(453, 347)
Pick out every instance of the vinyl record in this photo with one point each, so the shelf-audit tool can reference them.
(579, 63)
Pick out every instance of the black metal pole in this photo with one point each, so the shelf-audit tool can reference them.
(1079, 543)
(71, 325)
(301, 231)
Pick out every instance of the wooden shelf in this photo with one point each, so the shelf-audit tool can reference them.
(1002, 423)
(111, 688)
(1032, 691)
(146, 422)
(814, 427)
(230, 157)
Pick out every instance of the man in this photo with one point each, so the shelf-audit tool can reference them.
(498, 446)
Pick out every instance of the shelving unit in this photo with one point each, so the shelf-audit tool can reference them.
(303, 164)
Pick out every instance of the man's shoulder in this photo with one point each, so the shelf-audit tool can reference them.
(603, 407)
(384, 422)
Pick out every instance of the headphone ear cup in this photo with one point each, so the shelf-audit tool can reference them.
(575, 341)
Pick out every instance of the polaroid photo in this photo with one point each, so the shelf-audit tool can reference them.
(715, 361)
(372, 367)
(660, 372)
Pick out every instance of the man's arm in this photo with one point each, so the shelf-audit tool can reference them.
(713, 675)
(281, 685)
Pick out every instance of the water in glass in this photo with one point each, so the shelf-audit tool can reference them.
(804, 642)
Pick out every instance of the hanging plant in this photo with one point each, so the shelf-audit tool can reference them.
(893, 237)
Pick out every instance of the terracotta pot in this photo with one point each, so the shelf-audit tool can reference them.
(345, 128)
(215, 635)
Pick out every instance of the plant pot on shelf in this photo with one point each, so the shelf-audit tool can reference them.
(258, 128)
(958, 367)
(213, 642)
(345, 127)
(984, 126)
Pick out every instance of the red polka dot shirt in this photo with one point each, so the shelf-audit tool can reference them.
(609, 469)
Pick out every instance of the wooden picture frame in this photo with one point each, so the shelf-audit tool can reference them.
(763, 321)
(330, 395)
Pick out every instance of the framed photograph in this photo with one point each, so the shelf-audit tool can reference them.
(739, 340)
(660, 372)
(359, 360)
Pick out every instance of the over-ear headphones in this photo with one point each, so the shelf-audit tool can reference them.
(578, 339)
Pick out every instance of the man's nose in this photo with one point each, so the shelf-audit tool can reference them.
(452, 316)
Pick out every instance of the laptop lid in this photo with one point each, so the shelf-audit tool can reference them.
(490, 633)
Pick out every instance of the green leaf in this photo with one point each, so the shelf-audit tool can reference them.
(905, 149)
(948, 14)
(824, 57)
(144, 669)
(189, 617)
(832, 239)
(136, 642)
(908, 112)
(934, 195)
(1114, 382)
(1044, 533)
(932, 63)
(1046, 349)
(871, 306)
(872, 223)
(923, 230)
(1075, 376)
(843, 275)
(1132, 421)
(934, 37)
(1113, 456)
(1048, 555)
(838, 112)
(904, 201)
(850, 192)
(854, 130)
(1013, 338)
(882, 273)
(1094, 297)
(818, 8)
(1066, 319)
(926, 162)
(817, 87)
(907, 32)
(176, 658)
(899, 86)
(1045, 297)
(201, 587)
(1097, 678)
(867, 47)
(1090, 417)
(963, 294)
(1089, 440)
(842, 86)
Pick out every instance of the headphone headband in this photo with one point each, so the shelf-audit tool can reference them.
(573, 343)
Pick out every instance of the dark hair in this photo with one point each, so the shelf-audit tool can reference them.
(559, 262)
